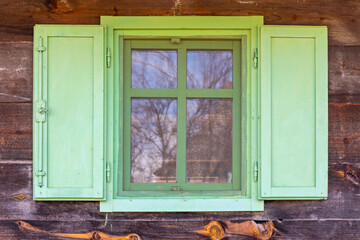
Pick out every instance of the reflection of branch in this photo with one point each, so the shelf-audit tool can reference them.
(153, 66)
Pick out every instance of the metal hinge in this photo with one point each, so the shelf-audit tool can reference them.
(108, 57)
(256, 172)
(107, 172)
(255, 58)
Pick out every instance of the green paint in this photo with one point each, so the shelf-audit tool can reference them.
(181, 94)
(70, 141)
(238, 28)
(294, 112)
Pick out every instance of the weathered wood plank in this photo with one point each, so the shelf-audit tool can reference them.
(16, 179)
(341, 17)
(344, 132)
(15, 131)
(16, 72)
(143, 230)
(344, 71)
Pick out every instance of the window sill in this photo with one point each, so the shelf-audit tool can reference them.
(181, 205)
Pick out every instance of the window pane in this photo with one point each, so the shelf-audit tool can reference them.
(153, 69)
(209, 141)
(153, 140)
(209, 69)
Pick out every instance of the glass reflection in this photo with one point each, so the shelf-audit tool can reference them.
(209, 141)
(153, 69)
(153, 140)
(209, 69)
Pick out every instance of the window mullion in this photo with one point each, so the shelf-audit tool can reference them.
(181, 128)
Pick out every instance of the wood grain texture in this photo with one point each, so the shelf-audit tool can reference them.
(16, 71)
(344, 191)
(18, 17)
(15, 131)
(158, 230)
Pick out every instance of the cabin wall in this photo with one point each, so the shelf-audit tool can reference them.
(22, 218)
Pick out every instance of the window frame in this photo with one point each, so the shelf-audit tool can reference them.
(198, 189)
(120, 28)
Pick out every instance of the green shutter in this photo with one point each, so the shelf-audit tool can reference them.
(68, 112)
(294, 112)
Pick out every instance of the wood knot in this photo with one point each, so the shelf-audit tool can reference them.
(95, 236)
(213, 230)
(134, 236)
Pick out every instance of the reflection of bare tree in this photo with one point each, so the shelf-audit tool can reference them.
(154, 69)
(209, 69)
(154, 120)
(153, 139)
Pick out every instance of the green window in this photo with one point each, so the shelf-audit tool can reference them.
(180, 113)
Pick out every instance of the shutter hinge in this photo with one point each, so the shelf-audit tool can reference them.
(256, 60)
(256, 171)
(108, 57)
(107, 172)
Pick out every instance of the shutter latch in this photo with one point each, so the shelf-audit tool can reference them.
(107, 172)
(255, 58)
(256, 172)
(41, 111)
(108, 57)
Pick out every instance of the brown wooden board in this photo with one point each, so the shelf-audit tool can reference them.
(15, 131)
(18, 17)
(16, 71)
(159, 230)
(16, 202)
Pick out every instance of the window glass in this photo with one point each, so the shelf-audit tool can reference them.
(209, 69)
(209, 141)
(153, 140)
(153, 69)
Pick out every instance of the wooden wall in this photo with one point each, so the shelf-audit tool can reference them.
(336, 218)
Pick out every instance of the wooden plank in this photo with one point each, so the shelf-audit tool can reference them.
(15, 131)
(344, 131)
(344, 71)
(15, 72)
(16, 202)
(202, 229)
(341, 17)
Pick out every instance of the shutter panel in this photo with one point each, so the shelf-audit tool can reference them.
(294, 112)
(68, 113)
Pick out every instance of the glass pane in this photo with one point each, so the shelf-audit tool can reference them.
(153, 69)
(153, 140)
(209, 69)
(209, 141)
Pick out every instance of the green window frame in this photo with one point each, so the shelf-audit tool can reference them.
(182, 93)
(279, 116)
(147, 31)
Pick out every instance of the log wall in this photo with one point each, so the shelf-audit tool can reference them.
(336, 218)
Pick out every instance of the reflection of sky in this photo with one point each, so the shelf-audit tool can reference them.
(209, 69)
(154, 69)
